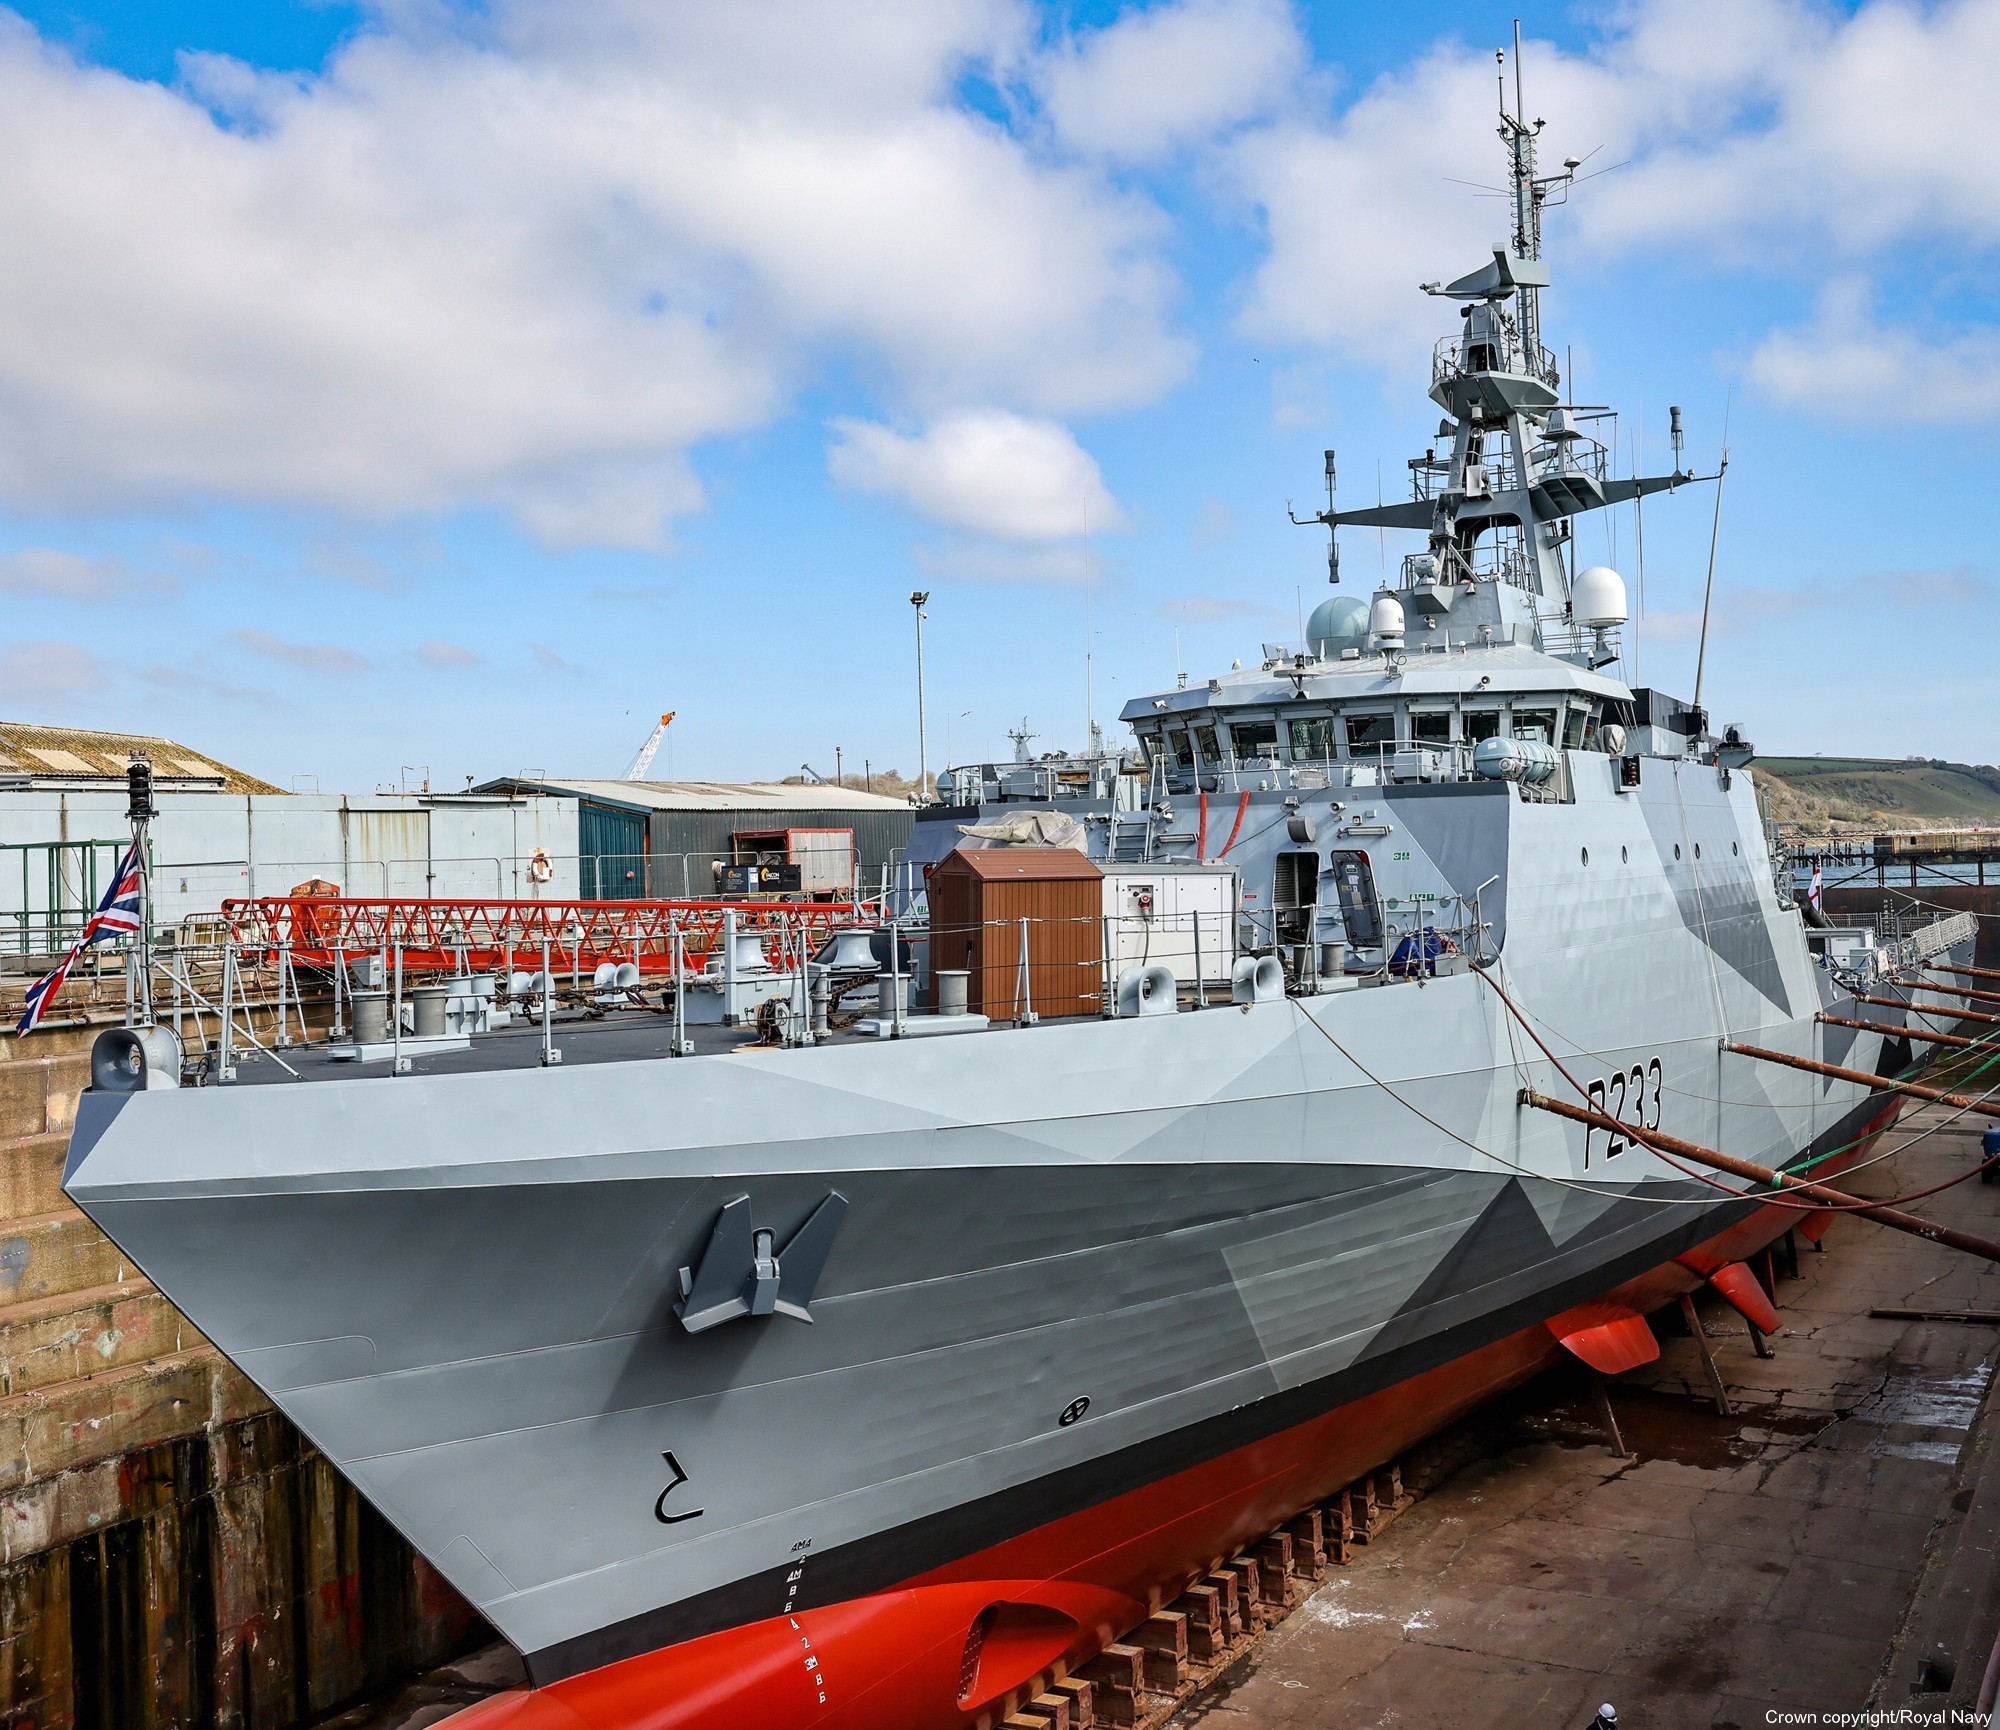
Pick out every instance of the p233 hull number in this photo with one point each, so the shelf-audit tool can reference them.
(1633, 1096)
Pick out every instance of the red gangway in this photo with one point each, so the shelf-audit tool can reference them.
(480, 936)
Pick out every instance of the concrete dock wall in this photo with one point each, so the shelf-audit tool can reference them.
(173, 1553)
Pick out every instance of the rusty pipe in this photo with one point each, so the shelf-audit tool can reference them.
(1861, 1078)
(1894, 1217)
(1953, 991)
(1939, 1012)
(1884, 1028)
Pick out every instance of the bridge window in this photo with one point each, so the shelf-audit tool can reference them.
(1313, 739)
(1430, 726)
(1371, 733)
(1204, 742)
(1481, 724)
(1535, 724)
(1254, 739)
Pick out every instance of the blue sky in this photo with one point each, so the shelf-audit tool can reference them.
(404, 385)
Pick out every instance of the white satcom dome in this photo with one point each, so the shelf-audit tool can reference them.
(1385, 623)
(1597, 598)
(1339, 622)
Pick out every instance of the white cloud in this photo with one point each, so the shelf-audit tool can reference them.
(983, 470)
(529, 256)
(1846, 365)
(1768, 133)
(984, 562)
(1213, 524)
(74, 576)
(1218, 609)
(307, 657)
(441, 655)
(1168, 76)
(55, 673)
(1743, 607)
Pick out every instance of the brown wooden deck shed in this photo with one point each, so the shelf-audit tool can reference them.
(980, 895)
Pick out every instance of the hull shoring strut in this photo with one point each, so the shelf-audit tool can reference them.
(1942, 1012)
(1888, 1032)
(1915, 1224)
(1861, 1078)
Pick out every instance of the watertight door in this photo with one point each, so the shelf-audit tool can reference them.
(1354, 883)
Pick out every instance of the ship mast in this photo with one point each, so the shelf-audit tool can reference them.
(1519, 138)
(1512, 467)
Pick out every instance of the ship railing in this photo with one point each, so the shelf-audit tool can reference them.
(480, 935)
(1364, 765)
(1428, 475)
(1581, 455)
(1500, 350)
(1562, 635)
(1492, 561)
(238, 992)
(1044, 781)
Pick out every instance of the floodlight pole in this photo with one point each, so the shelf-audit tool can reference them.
(917, 599)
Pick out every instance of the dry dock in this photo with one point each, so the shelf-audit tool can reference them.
(1806, 1554)
(173, 1555)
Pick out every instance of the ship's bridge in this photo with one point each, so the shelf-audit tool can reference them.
(1406, 717)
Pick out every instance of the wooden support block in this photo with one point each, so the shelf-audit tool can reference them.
(1117, 1666)
(1226, 1587)
(1207, 1625)
(1308, 1545)
(1163, 1631)
(1116, 1706)
(1081, 1695)
(1389, 1486)
(1051, 1710)
(1022, 1721)
(1249, 1591)
(1337, 1530)
(1167, 1672)
(1361, 1505)
(1274, 1559)
(1163, 1636)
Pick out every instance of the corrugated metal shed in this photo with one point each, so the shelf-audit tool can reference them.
(792, 796)
(36, 756)
(979, 902)
(690, 824)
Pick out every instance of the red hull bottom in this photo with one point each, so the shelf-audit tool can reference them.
(893, 1660)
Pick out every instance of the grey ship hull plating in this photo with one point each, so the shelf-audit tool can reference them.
(1211, 1226)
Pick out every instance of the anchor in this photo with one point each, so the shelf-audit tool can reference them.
(741, 1273)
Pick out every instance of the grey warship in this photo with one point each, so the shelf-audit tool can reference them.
(861, 1375)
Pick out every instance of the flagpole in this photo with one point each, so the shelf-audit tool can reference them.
(140, 810)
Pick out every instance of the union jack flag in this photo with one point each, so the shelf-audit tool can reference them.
(117, 915)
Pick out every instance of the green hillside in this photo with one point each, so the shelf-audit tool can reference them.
(1870, 793)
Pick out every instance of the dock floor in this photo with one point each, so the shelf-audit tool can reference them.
(1734, 1566)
